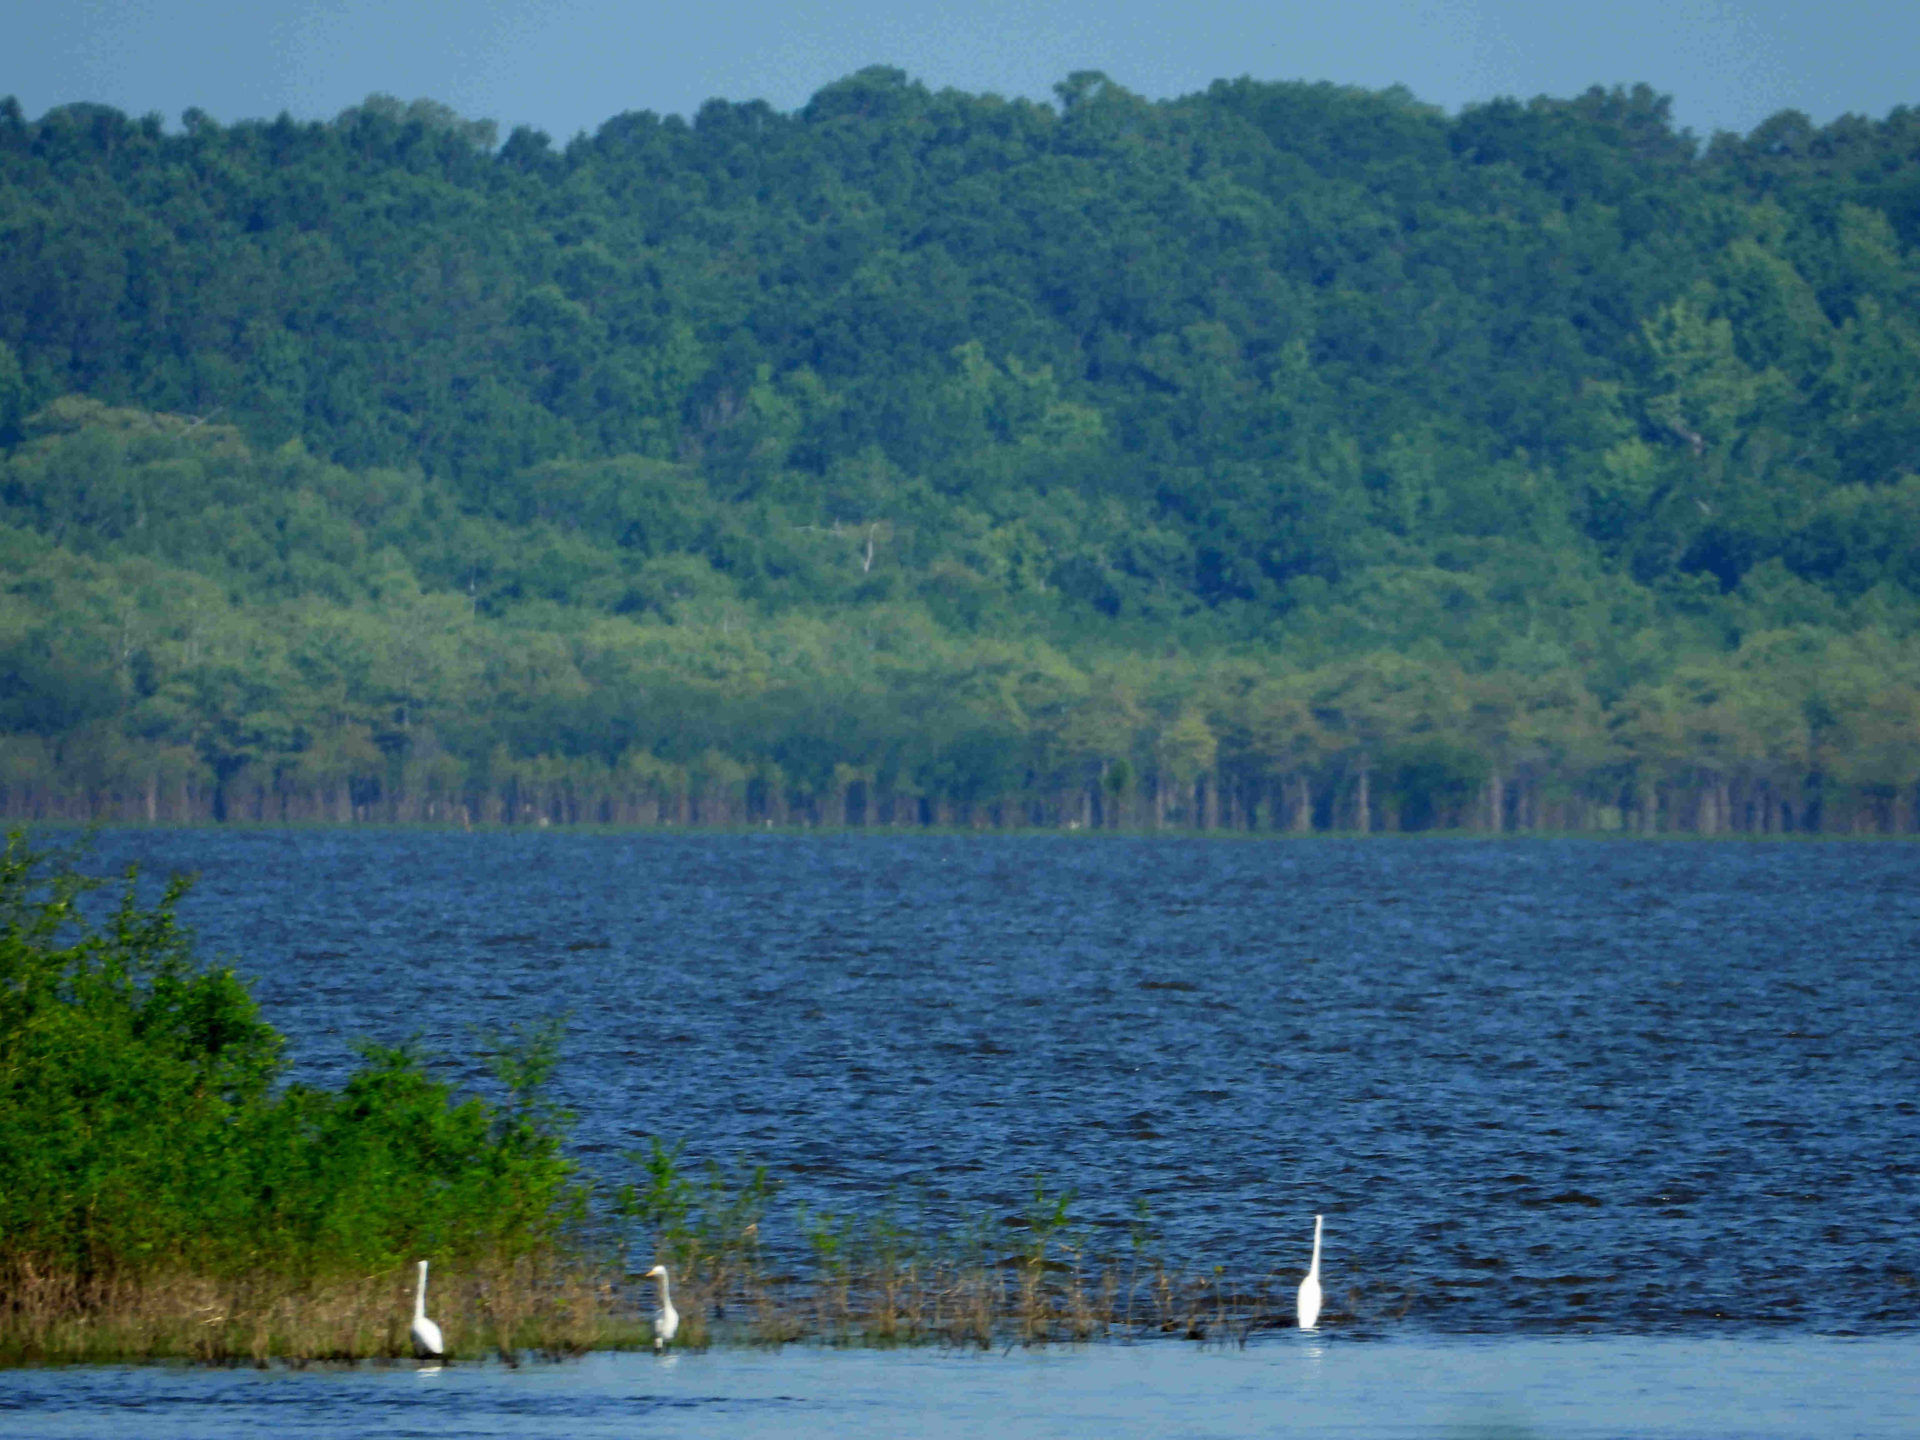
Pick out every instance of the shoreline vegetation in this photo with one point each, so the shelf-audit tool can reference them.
(886, 1287)
(54, 826)
(1342, 803)
(1274, 458)
(877, 1300)
(1716, 810)
(163, 1195)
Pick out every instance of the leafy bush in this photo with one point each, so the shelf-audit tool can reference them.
(145, 1128)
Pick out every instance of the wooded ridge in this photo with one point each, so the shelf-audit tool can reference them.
(1282, 456)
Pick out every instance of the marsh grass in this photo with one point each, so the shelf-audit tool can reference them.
(1034, 1278)
(522, 1309)
(960, 1303)
(903, 1291)
(506, 1311)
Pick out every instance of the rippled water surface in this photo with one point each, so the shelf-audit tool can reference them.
(1622, 1087)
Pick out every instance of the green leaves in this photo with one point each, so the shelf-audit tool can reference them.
(701, 1226)
(142, 1127)
(738, 470)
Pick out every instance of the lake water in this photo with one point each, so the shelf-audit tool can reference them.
(1651, 1388)
(1660, 1095)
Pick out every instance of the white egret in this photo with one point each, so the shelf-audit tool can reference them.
(427, 1342)
(667, 1320)
(1308, 1306)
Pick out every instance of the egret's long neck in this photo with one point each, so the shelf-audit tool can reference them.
(420, 1295)
(1314, 1269)
(666, 1296)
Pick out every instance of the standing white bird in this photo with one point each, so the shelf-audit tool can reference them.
(1308, 1306)
(667, 1320)
(427, 1342)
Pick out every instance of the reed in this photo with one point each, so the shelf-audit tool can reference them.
(871, 1282)
(507, 1309)
(876, 1280)
(963, 1304)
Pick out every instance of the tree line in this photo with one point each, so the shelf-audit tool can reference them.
(1280, 457)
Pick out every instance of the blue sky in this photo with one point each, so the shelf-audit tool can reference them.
(567, 65)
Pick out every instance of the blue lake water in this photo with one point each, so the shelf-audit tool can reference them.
(1652, 1094)
(1510, 1388)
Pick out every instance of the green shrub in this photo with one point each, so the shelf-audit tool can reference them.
(145, 1128)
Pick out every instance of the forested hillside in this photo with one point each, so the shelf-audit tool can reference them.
(1282, 457)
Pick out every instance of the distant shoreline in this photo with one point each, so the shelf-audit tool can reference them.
(1170, 833)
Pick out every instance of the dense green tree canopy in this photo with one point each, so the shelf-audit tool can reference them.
(1279, 454)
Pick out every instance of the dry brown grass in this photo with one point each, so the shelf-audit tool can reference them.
(560, 1308)
(505, 1309)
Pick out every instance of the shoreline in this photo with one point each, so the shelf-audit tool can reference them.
(1167, 834)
